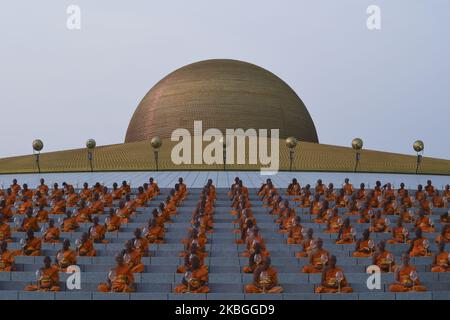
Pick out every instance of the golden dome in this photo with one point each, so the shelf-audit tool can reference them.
(224, 94)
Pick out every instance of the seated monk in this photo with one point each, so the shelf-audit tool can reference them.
(29, 222)
(424, 223)
(96, 206)
(438, 201)
(57, 205)
(379, 224)
(348, 187)
(445, 217)
(404, 214)
(72, 198)
(334, 222)
(342, 199)
(182, 190)
(5, 231)
(6, 258)
(333, 279)
(330, 194)
(317, 259)
(419, 246)
(400, 234)
(155, 233)
(140, 243)
(120, 278)
(195, 237)
(40, 200)
(316, 205)
(23, 207)
(42, 214)
(193, 251)
(308, 244)
(31, 246)
(116, 192)
(361, 193)
(141, 198)
(246, 228)
(295, 235)
(51, 234)
(441, 260)
(429, 188)
(294, 188)
(153, 189)
(406, 278)
(255, 260)
(47, 278)
(42, 188)
(287, 216)
(132, 257)
(97, 232)
(106, 198)
(170, 206)
(65, 257)
(445, 234)
(83, 213)
(383, 258)
(5, 210)
(123, 212)
(320, 188)
(346, 234)
(420, 194)
(265, 279)
(306, 198)
(112, 221)
(15, 187)
(364, 246)
(86, 193)
(365, 214)
(195, 279)
(69, 224)
(389, 206)
(324, 213)
(233, 188)
(254, 238)
(85, 246)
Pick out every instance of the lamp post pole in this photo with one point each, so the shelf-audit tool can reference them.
(90, 145)
(418, 147)
(357, 145)
(156, 143)
(38, 145)
(291, 143)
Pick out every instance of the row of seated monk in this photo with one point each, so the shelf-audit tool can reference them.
(239, 198)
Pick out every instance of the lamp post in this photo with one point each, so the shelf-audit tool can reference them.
(156, 144)
(38, 145)
(418, 147)
(90, 145)
(291, 143)
(357, 145)
(224, 152)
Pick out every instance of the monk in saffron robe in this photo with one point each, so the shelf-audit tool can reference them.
(65, 257)
(254, 238)
(255, 260)
(15, 187)
(5, 231)
(42, 188)
(318, 259)
(346, 234)
(400, 234)
(155, 233)
(141, 198)
(183, 192)
(47, 278)
(23, 207)
(308, 244)
(40, 200)
(86, 193)
(116, 192)
(195, 279)
(404, 215)
(132, 257)
(5, 211)
(120, 278)
(316, 205)
(106, 198)
(83, 213)
(265, 279)
(330, 195)
(295, 235)
(361, 193)
(347, 187)
(406, 277)
(6, 258)
(419, 246)
(96, 206)
(31, 246)
(97, 232)
(194, 250)
(69, 224)
(383, 258)
(364, 246)
(444, 218)
(293, 188)
(445, 234)
(112, 221)
(42, 214)
(56, 192)
(441, 260)
(424, 223)
(438, 201)
(429, 188)
(29, 222)
(320, 188)
(140, 243)
(334, 223)
(57, 205)
(51, 234)
(85, 246)
(123, 212)
(333, 279)
(153, 189)
(379, 224)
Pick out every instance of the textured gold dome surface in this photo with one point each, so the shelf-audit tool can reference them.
(224, 94)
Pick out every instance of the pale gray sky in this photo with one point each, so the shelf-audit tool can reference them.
(389, 87)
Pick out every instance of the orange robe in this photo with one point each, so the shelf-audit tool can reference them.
(267, 285)
(418, 249)
(405, 283)
(363, 250)
(48, 281)
(196, 283)
(51, 235)
(7, 261)
(317, 262)
(68, 258)
(122, 281)
(332, 283)
(442, 263)
(87, 249)
(134, 261)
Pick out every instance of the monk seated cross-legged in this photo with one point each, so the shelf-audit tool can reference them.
(308, 244)
(406, 277)
(317, 259)
(333, 279)
(419, 246)
(255, 260)
(29, 222)
(6, 258)
(194, 250)
(120, 278)
(31, 246)
(47, 278)
(445, 234)
(97, 232)
(65, 257)
(364, 246)
(383, 258)
(295, 232)
(51, 234)
(69, 224)
(265, 279)
(195, 279)
(132, 257)
(85, 246)
(112, 221)
(400, 234)
(346, 234)
(154, 233)
(5, 231)
(441, 262)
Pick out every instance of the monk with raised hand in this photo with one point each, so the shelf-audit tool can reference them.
(308, 244)
(294, 188)
(265, 279)
(97, 232)
(65, 257)
(69, 223)
(400, 234)
(120, 278)
(140, 243)
(195, 279)
(47, 278)
(29, 222)
(365, 246)
(424, 223)
(383, 258)
(132, 258)
(333, 279)
(445, 234)
(346, 234)
(51, 234)
(419, 246)
(6, 258)
(295, 235)
(112, 221)
(5, 231)
(317, 259)
(85, 246)
(406, 277)
(194, 250)
(255, 260)
(155, 233)
(31, 246)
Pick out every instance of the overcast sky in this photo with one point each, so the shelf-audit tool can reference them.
(389, 86)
